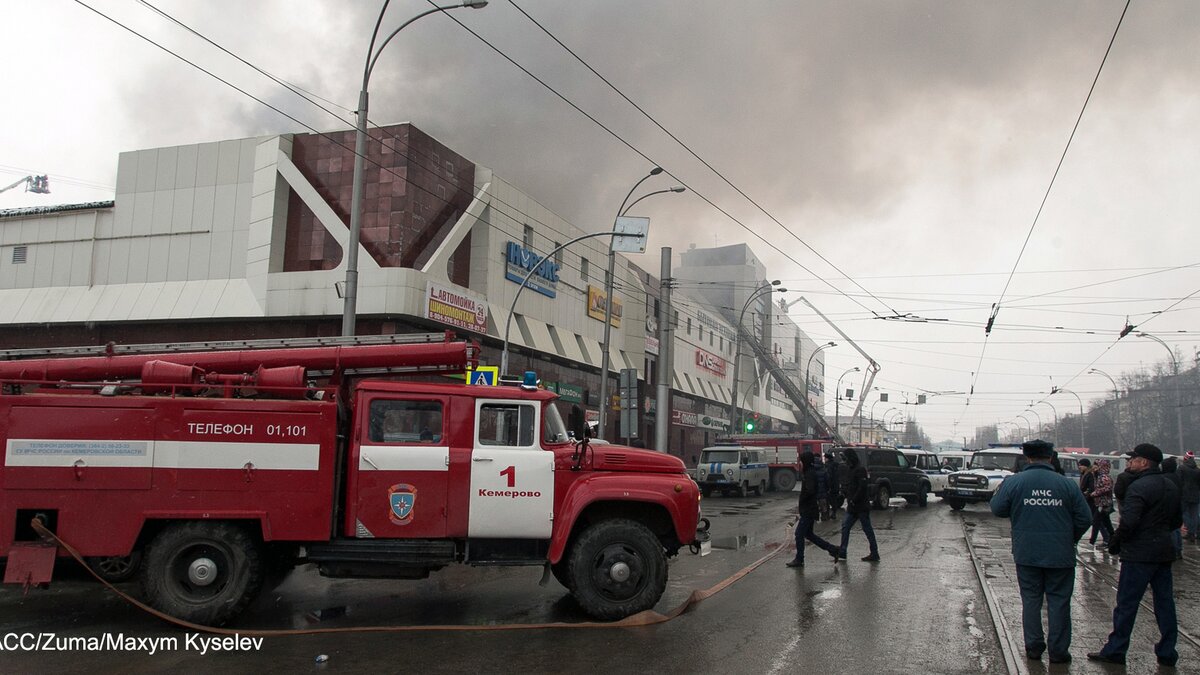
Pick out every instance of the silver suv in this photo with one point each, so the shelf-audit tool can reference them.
(732, 469)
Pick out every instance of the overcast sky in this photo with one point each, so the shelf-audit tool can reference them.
(909, 143)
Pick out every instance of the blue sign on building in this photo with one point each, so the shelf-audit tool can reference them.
(519, 260)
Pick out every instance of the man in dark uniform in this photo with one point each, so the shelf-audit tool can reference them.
(809, 511)
(1049, 514)
(1143, 540)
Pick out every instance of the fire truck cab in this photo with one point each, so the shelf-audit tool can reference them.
(218, 469)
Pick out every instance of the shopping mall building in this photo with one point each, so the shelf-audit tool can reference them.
(243, 239)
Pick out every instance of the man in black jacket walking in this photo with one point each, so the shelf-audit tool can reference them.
(858, 505)
(1143, 541)
(808, 513)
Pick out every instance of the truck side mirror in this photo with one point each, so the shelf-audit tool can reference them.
(578, 425)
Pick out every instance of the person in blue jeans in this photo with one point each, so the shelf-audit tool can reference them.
(1143, 541)
(858, 505)
(1049, 515)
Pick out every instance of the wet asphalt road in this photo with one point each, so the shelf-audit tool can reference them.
(922, 609)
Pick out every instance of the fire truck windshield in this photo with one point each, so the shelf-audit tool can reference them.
(553, 429)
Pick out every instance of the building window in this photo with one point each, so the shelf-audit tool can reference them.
(583, 268)
(20, 255)
(700, 332)
(557, 254)
(721, 341)
(528, 236)
(689, 325)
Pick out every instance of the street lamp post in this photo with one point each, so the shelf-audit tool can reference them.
(1055, 411)
(1116, 405)
(767, 287)
(1178, 396)
(1082, 416)
(608, 296)
(350, 293)
(1028, 425)
(808, 367)
(1039, 421)
(837, 404)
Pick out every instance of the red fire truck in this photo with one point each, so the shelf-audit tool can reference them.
(781, 452)
(206, 472)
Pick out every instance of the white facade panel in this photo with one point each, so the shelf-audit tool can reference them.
(206, 165)
(168, 296)
(218, 259)
(147, 170)
(185, 169)
(165, 169)
(127, 172)
(139, 259)
(159, 258)
(143, 215)
(146, 299)
(229, 159)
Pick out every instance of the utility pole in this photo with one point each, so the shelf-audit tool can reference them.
(662, 399)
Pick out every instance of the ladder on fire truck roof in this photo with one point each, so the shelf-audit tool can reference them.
(805, 409)
(113, 349)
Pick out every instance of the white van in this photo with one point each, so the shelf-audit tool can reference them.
(930, 464)
(732, 469)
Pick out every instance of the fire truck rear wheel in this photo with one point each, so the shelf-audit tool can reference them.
(783, 481)
(618, 569)
(205, 573)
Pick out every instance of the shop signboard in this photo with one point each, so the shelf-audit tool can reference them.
(571, 393)
(710, 362)
(596, 305)
(652, 345)
(699, 420)
(455, 307)
(520, 260)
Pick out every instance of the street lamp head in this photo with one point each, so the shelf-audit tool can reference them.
(775, 282)
(656, 170)
(831, 343)
(475, 4)
(678, 188)
(781, 290)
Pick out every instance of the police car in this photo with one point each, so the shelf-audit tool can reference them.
(732, 469)
(988, 468)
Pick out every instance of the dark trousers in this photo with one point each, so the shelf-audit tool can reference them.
(1135, 576)
(1055, 585)
(865, 519)
(1101, 525)
(804, 530)
(1191, 519)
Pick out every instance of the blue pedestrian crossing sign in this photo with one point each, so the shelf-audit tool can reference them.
(485, 375)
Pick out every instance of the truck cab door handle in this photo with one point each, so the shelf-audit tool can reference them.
(481, 459)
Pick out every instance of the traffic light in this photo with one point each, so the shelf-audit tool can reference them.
(752, 423)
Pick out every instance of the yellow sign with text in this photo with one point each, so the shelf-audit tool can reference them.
(597, 299)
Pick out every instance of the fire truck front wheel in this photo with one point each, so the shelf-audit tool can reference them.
(205, 573)
(617, 569)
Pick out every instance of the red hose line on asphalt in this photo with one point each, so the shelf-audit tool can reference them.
(648, 617)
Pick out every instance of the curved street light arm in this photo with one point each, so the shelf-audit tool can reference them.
(513, 307)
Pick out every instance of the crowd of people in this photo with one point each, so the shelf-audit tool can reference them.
(1157, 500)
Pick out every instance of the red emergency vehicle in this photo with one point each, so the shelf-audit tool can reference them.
(781, 452)
(219, 468)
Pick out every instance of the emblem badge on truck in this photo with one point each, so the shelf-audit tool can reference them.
(402, 497)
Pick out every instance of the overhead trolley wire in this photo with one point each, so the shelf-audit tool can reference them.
(1045, 197)
(703, 161)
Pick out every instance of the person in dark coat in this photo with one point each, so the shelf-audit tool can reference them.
(1143, 541)
(1102, 497)
(1170, 469)
(1049, 515)
(1087, 483)
(1190, 495)
(822, 473)
(837, 474)
(809, 511)
(858, 505)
